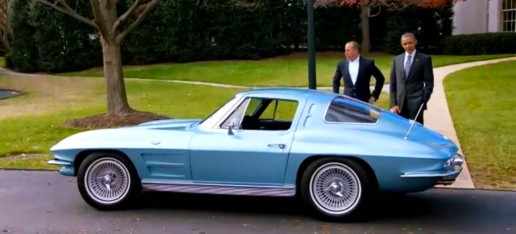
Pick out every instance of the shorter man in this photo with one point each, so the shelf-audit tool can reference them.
(357, 72)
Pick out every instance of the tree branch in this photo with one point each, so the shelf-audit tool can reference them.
(374, 15)
(146, 9)
(97, 15)
(4, 17)
(125, 16)
(3, 24)
(67, 10)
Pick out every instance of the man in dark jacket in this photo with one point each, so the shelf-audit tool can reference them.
(412, 80)
(357, 71)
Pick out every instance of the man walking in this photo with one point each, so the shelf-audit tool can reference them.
(357, 71)
(412, 80)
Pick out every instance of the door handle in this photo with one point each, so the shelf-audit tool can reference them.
(281, 146)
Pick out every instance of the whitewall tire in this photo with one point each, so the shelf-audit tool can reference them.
(334, 187)
(108, 181)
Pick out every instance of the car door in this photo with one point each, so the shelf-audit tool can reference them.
(232, 153)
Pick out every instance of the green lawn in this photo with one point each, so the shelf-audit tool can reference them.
(483, 108)
(280, 71)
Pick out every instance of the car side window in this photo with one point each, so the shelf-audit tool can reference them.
(263, 114)
(344, 110)
(281, 110)
(236, 117)
(254, 105)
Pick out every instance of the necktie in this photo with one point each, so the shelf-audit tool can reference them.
(407, 65)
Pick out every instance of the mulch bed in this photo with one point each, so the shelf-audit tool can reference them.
(110, 121)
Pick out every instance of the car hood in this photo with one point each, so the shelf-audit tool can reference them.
(168, 123)
(153, 134)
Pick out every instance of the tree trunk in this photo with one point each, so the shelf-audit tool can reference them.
(116, 95)
(364, 24)
(115, 85)
(6, 42)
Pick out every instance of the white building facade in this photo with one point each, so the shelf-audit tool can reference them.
(483, 16)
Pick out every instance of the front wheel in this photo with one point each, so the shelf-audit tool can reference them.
(108, 181)
(334, 187)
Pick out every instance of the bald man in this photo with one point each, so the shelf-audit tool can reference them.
(357, 71)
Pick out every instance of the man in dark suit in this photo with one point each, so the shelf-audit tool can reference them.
(412, 80)
(357, 71)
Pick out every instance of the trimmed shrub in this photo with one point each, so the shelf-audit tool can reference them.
(66, 43)
(23, 56)
(48, 40)
(334, 26)
(199, 30)
(191, 30)
(430, 26)
(486, 43)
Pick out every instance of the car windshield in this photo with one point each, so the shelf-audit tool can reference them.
(346, 110)
(215, 115)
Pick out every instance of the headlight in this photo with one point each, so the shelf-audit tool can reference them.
(449, 163)
(454, 163)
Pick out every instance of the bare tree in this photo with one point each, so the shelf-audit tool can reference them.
(112, 29)
(367, 5)
(5, 24)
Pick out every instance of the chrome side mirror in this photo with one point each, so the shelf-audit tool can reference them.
(230, 129)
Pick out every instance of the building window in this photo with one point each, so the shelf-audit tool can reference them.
(509, 16)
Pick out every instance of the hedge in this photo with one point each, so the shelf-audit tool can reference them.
(190, 30)
(47, 40)
(486, 43)
(429, 25)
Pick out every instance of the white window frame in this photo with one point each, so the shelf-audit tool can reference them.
(508, 9)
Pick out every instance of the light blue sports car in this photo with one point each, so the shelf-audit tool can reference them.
(331, 150)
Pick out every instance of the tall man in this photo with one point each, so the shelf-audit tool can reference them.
(357, 72)
(412, 80)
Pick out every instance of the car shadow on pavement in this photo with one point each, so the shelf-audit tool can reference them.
(379, 207)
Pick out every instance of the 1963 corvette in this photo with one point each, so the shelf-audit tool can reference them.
(329, 149)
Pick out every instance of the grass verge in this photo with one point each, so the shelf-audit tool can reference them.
(482, 105)
(279, 71)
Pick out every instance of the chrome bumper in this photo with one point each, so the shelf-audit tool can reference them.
(59, 163)
(453, 167)
(67, 167)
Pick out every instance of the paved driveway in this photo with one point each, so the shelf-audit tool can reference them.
(46, 202)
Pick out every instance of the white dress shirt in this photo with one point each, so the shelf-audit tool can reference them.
(353, 69)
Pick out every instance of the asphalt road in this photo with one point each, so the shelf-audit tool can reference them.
(46, 202)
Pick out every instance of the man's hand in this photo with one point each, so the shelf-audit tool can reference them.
(372, 100)
(395, 109)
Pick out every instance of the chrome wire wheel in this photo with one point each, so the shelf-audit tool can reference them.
(335, 188)
(107, 181)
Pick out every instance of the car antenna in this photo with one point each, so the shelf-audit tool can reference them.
(414, 120)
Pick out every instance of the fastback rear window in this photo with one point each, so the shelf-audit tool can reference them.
(345, 110)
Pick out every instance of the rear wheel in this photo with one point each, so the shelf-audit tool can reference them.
(108, 181)
(334, 187)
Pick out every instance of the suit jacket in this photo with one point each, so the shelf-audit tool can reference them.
(360, 89)
(417, 87)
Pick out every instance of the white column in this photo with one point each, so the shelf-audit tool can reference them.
(470, 16)
(494, 16)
